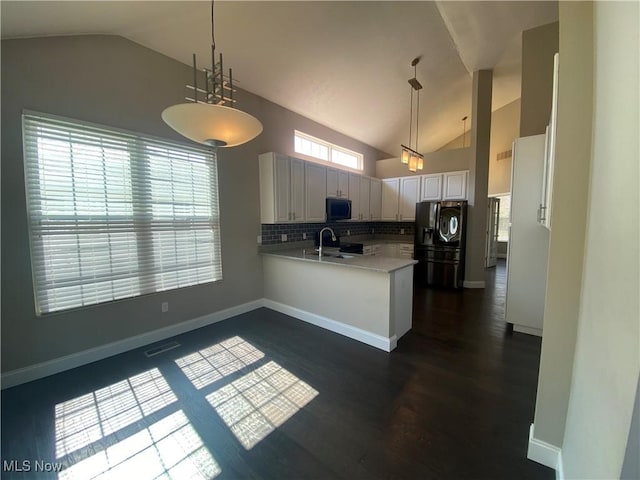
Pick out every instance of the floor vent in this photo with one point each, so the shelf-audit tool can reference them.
(161, 349)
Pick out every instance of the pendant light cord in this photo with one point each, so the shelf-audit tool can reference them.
(213, 38)
(415, 71)
(411, 118)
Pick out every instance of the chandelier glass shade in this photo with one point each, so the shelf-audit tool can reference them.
(209, 117)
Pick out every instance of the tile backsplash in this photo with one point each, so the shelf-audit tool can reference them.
(272, 234)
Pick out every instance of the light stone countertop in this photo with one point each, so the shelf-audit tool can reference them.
(365, 262)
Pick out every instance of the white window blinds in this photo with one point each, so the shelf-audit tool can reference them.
(114, 214)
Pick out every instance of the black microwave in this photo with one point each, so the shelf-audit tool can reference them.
(338, 209)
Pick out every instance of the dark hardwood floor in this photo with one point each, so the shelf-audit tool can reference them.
(268, 396)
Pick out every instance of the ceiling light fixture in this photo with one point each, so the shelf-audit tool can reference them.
(210, 118)
(410, 156)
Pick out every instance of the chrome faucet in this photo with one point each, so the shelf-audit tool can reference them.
(333, 237)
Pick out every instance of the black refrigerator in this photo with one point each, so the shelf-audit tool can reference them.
(440, 241)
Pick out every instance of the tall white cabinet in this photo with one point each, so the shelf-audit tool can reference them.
(528, 249)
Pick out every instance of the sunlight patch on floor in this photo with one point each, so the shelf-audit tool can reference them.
(170, 449)
(217, 361)
(256, 404)
(88, 418)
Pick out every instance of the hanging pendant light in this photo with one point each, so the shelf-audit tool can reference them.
(409, 156)
(209, 117)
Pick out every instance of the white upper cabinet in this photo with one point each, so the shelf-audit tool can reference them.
(455, 185)
(354, 195)
(390, 198)
(294, 190)
(337, 183)
(282, 189)
(431, 187)
(315, 181)
(365, 186)
(297, 190)
(375, 199)
(275, 188)
(444, 186)
(409, 196)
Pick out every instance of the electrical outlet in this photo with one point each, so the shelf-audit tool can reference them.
(402, 231)
(348, 233)
(259, 239)
(373, 230)
(283, 237)
(304, 236)
(165, 307)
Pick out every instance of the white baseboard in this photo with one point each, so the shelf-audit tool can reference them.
(57, 365)
(528, 330)
(545, 453)
(473, 284)
(378, 341)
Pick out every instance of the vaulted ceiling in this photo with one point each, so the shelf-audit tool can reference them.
(343, 64)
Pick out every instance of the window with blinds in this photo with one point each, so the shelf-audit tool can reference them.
(114, 214)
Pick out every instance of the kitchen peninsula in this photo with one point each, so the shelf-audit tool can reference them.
(367, 298)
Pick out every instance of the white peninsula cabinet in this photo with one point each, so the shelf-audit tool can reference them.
(281, 188)
(399, 198)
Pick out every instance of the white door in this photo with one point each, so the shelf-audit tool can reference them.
(431, 187)
(297, 190)
(390, 198)
(375, 199)
(493, 217)
(409, 190)
(365, 186)
(315, 181)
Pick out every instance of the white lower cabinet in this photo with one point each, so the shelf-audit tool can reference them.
(393, 250)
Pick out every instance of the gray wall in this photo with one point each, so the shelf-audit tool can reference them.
(568, 220)
(607, 355)
(434, 162)
(112, 81)
(505, 128)
(538, 46)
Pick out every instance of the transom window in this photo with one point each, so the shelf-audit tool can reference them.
(114, 214)
(323, 150)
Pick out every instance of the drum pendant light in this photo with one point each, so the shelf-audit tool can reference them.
(209, 117)
(410, 156)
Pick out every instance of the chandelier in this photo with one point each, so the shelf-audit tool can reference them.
(209, 117)
(410, 156)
